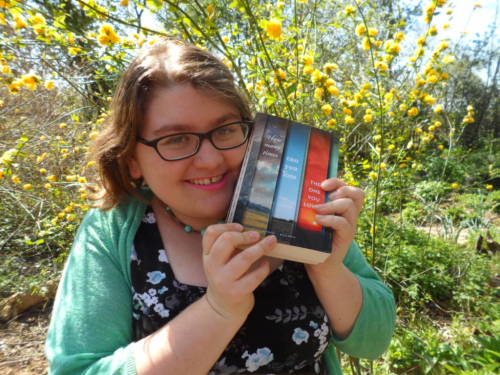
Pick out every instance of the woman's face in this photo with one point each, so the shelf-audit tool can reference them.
(198, 189)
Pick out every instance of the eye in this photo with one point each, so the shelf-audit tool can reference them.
(175, 141)
(227, 131)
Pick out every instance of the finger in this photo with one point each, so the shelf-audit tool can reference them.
(249, 282)
(343, 207)
(332, 184)
(224, 246)
(337, 223)
(214, 231)
(241, 263)
(357, 195)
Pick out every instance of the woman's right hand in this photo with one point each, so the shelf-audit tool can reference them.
(234, 274)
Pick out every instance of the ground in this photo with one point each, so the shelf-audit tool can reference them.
(22, 343)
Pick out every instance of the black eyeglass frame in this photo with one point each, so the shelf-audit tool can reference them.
(208, 135)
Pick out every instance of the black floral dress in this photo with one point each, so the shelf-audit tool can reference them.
(286, 332)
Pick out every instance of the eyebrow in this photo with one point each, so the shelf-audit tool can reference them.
(185, 127)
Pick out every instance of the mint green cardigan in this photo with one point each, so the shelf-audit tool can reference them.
(91, 326)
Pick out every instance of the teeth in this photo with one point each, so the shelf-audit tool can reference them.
(207, 181)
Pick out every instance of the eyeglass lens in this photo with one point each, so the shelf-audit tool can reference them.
(182, 145)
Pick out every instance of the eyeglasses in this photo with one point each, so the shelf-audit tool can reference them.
(184, 145)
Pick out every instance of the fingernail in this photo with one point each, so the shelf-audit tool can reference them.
(319, 206)
(320, 216)
(271, 240)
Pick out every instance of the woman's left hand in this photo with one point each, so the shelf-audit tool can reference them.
(341, 214)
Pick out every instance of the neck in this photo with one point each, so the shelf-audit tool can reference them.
(198, 224)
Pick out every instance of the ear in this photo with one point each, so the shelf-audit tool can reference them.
(134, 168)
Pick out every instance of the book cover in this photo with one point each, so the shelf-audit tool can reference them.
(284, 165)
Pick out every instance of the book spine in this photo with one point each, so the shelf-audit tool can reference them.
(245, 179)
(309, 233)
(256, 215)
(288, 189)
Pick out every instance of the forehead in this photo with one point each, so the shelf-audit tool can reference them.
(183, 107)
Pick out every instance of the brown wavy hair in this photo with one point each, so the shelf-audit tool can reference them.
(167, 63)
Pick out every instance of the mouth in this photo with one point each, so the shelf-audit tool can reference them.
(206, 180)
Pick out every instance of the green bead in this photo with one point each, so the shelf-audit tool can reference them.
(188, 228)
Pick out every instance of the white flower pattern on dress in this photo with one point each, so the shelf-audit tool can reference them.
(299, 336)
(149, 218)
(162, 257)
(260, 358)
(155, 277)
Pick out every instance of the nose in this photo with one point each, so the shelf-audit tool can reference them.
(208, 156)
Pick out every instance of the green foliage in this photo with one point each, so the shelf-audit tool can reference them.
(407, 112)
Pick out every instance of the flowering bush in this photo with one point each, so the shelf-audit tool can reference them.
(352, 66)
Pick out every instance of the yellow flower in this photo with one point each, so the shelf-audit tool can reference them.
(366, 44)
(403, 165)
(448, 59)
(455, 186)
(360, 29)
(5, 4)
(403, 107)
(124, 3)
(27, 186)
(47, 186)
(368, 118)
(52, 178)
(74, 50)
(349, 10)
(383, 166)
(274, 28)
(20, 22)
(2, 174)
(399, 36)
(391, 147)
(432, 79)
(308, 69)
(317, 76)
(329, 67)
(6, 69)
(489, 187)
(63, 125)
(38, 19)
(327, 109)
(49, 85)
(108, 35)
(349, 120)
(438, 108)
(42, 171)
(210, 9)
(308, 60)
(15, 179)
(377, 138)
(333, 90)
(433, 31)
(381, 66)
(373, 175)
(319, 92)
(429, 99)
(372, 31)
(31, 81)
(413, 111)
(331, 123)
(438, 124)
(329, 82)
(347, 111)
(441, 147)
(3, 20)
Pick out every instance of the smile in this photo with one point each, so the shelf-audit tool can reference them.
(206, 180)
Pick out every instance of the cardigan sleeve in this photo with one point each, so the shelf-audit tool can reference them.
(372, 332)
(91, 325)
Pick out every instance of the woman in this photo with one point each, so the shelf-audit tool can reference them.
(154, 283)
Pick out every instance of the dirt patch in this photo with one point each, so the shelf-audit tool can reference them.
(22, 342)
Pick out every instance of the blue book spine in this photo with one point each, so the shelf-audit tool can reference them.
(289, 185)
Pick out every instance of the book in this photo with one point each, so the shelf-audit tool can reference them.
(279, 183)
